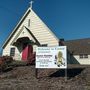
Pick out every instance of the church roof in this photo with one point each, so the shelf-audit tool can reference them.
(17, 26)
(79, 46)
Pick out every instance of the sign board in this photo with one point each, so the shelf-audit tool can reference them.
(51, 57)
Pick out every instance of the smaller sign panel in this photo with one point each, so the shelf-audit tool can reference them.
(51, 57)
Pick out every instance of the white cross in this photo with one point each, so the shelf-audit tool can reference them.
(31, 4)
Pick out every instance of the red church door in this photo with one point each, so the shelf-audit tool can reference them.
(30, 50)
(27, 51)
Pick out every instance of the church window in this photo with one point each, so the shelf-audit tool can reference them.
(29, 23)
(12, 51)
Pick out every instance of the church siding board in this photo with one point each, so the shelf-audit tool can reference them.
(83, 60)
(17, 54)
(6, 52)
(42, 32)
(34, 48)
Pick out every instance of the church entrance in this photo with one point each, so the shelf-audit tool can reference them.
(25, 47)
(26, 52)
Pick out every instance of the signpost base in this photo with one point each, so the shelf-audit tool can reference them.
(66, 75)
(36, 73)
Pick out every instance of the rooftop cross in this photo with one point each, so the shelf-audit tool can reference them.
(31, 4)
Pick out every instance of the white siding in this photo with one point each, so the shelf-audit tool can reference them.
(83, 60)
(41, 31)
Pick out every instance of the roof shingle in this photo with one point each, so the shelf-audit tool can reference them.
(79, 46)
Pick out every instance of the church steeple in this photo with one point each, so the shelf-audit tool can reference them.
(31, 4)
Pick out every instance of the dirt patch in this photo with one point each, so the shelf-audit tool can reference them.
(23, 78)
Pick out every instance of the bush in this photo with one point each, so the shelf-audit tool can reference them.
(7, 59)
(4, 62)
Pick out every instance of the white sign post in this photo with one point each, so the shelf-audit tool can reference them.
(52, 57)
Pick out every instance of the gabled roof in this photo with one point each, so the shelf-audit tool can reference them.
(79, 46)
(17, 26)
(15, 39)
(38, 43)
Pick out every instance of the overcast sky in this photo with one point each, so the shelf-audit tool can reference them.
(68, 19)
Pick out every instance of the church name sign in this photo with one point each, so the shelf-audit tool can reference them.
(51, 57)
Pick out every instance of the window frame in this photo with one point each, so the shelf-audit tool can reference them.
(12, 51)
(83, 56)
(28, 22)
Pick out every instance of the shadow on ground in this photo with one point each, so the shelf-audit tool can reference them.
(70, 72)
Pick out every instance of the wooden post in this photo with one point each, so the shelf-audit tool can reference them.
(36, 73)
(65, 74)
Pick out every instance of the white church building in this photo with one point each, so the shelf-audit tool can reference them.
(29, 33)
